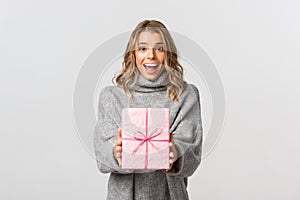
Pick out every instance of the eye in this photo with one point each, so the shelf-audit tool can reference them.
(159, 49)
(142, 48)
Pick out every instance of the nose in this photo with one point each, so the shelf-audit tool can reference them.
(151, 53)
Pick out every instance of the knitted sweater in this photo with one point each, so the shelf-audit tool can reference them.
(185, 125)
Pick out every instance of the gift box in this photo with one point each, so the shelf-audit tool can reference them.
(145, 138)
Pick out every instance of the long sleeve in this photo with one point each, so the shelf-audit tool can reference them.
(187, 133)
(109, 120)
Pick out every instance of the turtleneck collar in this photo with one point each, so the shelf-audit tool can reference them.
(145, 85)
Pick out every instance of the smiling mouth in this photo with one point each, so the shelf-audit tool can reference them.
(151, 68)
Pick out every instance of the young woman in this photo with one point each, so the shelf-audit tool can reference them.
(151, 78)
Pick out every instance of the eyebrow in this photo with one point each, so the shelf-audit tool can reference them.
(154, 44)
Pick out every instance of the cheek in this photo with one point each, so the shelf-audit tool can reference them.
(138, 59)
(161, 58)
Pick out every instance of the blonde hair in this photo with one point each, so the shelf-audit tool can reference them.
(173, 68)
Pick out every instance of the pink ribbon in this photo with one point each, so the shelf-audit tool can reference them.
(147, 139)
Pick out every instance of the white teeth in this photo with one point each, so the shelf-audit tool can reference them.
(151, 65)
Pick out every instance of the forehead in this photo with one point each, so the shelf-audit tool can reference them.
(148, 37)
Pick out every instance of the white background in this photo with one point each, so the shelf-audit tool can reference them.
(254, 44)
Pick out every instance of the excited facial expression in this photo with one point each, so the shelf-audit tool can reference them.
(150, 55)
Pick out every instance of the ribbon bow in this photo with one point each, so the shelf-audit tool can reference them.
(144, 138)
(148, 139)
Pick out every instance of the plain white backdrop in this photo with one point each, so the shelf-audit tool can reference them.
(254, 44)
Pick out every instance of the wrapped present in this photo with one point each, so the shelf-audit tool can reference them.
(145, 138)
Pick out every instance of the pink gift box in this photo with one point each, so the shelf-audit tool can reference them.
(145, 138)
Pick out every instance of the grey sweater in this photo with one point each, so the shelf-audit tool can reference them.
(186, 127)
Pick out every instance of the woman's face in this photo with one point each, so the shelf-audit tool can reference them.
(150, 55)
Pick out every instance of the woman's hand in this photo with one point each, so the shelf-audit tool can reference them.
(173, 155)
(117, 151)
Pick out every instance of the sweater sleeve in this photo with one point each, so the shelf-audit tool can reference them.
(106, 131)
(187, 134)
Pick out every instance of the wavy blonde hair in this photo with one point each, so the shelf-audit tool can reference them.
(173, 68)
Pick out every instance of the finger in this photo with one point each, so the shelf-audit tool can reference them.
(119, 138)
(119, 142)
(118, 159)
(119, 133)
(118, 149)
(119, 155)
(171, 155)
(116, 153)
(172, 147)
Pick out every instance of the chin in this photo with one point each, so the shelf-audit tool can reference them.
(150, 78)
